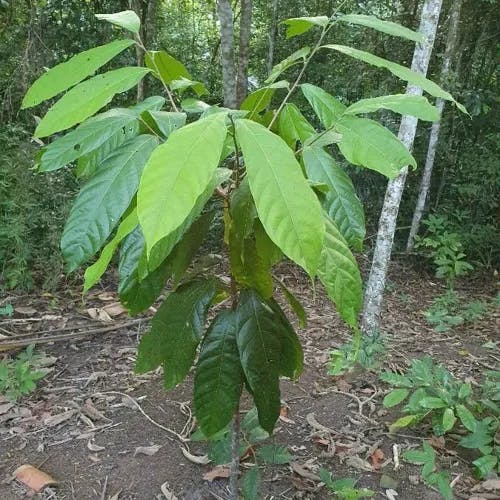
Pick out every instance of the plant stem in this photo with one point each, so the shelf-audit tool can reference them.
(235, 456)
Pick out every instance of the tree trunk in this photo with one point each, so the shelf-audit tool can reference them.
(245, 31)
(273, 31)
(227, 52)
(425, 183)
(387, 224)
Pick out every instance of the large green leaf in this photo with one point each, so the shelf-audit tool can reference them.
(69, 73)
(169, 69)
(260, 99)
(367, 143)
(177, 173)
(293, 126)
(104, 198)
(86, 98)
(259, 345)
(388, 27)
(95, 271)
(163, 122)
(401, 72)
(218, 380)
(339, 273)
(176, 330)
(126, 19)
(287, 206)
(295, 58)
(340, 202)
(299, 25)
(404, 104)
(327, 108)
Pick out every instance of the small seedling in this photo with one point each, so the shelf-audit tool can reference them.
(7, 310)
(344, 488)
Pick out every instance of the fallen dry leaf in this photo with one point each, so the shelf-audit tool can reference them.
(196, 459)
(391, 494)
(25, 311)
(4, 408)
(106, 296)
(99, 315)
(216, 473)
(116, 496)
(488, 485)
(94, 447)
(92, 412)
(376, 457)
(358, 463)
(303, 472)
(168, 494)
(147, 450)
(114, 309)
(437, 442)
(34, 478)
(54, 420)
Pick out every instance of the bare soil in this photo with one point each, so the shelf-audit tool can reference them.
(91, 423)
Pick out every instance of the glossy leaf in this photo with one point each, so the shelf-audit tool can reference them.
(403, 104)
(175, 176)
(163, 122)
(299, 25)
(287, 207)
(67, 74)
(395, 397)
(176, 330)
(388, 27)
(94, 272)
(401, 72)
(327, 108)
(218, 380)
(102, 201)
(87, 98)
(449, 419)
(260, 99)
(339, 273)
(126, 19)
(340, 202)
(295, 304)
(466, 417)
(293, 126)
(295, 58)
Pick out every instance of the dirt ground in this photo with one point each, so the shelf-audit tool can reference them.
(104, 433)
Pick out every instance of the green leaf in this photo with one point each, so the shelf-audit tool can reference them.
(218, 378)
(421, 457)
(327, 108)
(295, 58)
(395, 397)
(339, 273)
(169, 69)
(243, 211)
(431, 403)
(485, 465)
(443, 485)
(299, 25)
(340, 202)
(401, 72)
(191, 105)
(163, 122)
(69, 73)
(86, 138)
(403, 422)
(177, 173)
(295, 304)
(369, 144)
(254, 433)
(293, 126)
(259, 345)
(251, 484)
(126, 19)
(449, 419)
(403, 104)
(466, 417)
(95, 271)
(87, 98)
(184, 83)
(287, 207)
(388, 27)
(260, 99)
(273, 454)
(176, 330)
(481, 436)
(104, 198)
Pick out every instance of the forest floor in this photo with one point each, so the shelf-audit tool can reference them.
(104, 433)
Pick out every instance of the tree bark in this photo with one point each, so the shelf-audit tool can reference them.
(245, 32)
(387, 223)
(273, 31)
(425, 183)
(227, 52)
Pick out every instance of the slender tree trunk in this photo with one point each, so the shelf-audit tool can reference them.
(387, 224)
(227, 52)
(273, 31)
(245, 32)
(425, 183)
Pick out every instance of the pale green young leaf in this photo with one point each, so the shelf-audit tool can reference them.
(327, 108)
(67, 74)
(218, 379)
(176, 330)
(293, 126)
(184, 83)
(94, 272)
(163, 122)
(295, 58)
(395, 397)
(340, 202)
(401, 72)
(287, 206)
(260, 99)
(192, 105)
(404, 104)
(299, 25)
(387, 27)
(466, 417)
(87, 98)
(103, 200)
(449, 419)
(273, 454)
(339, 273)
(127, 19)
(405, 421)
(251, 484)
(177, 173)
